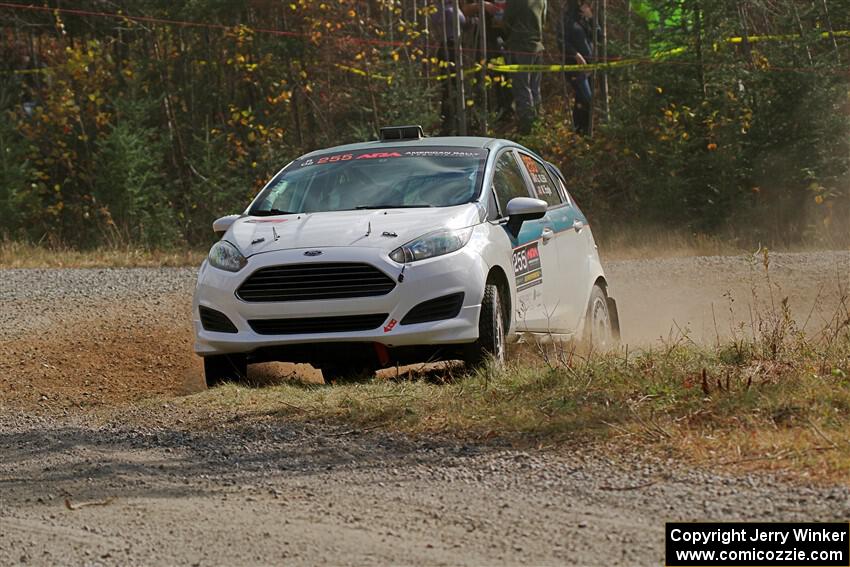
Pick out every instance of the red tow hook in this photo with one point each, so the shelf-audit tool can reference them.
(383, 353)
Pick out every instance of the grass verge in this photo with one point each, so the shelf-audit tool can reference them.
(22, 255)
(773, 400)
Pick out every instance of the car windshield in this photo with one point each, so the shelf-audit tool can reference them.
(375, 179)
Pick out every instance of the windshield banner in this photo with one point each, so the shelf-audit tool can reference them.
(392, 153)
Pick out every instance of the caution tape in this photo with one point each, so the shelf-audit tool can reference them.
(497, 68)
(476, 68)
(362, 73)
(516, 68)
(790, 37)
(389, 79)
(25, 71)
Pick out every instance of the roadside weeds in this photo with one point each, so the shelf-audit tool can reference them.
(22, 255)
(770, 396)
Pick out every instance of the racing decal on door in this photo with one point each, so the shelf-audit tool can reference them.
(538, 177)
(527, 268)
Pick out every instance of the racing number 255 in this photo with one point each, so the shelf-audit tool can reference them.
(331, 159)
(520, 261)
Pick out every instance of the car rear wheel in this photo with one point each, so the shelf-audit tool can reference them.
(598, 328)
(491, 331)
(221, 368)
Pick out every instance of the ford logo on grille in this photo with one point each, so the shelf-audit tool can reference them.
(313, 253)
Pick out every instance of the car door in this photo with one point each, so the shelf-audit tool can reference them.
(535, 262)
(565, 300)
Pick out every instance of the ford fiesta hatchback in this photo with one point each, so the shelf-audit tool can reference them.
(401, 250)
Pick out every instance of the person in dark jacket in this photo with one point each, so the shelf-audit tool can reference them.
(576, 39)
(494, 13)
(442, 21)
(524, 21)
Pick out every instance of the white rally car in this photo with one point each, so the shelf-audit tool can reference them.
(402, 250)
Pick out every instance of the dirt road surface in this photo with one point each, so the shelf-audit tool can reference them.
(92, 475)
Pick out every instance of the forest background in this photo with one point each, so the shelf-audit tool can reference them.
(138, 122)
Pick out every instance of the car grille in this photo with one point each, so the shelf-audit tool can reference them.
(216, 321)
(304, 282)
(446, 307)
(317, 325)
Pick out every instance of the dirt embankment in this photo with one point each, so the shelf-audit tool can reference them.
(93, 337)
(169, 485)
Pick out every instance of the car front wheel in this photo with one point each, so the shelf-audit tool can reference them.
(491, 330)
(221, 368)
(598, 329)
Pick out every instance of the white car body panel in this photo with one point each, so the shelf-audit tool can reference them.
(555, 308)
(346, 228)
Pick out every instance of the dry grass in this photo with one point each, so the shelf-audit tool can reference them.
(768, 398)
(734, 406)
(634, 243)
(22, 255)
(630, 243)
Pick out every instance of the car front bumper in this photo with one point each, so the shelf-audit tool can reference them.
(461, 271)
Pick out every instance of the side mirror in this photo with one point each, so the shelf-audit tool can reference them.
(521, 209)
(221, 225)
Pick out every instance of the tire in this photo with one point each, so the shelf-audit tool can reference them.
(599, 332)
(221, 368)
(491, 331)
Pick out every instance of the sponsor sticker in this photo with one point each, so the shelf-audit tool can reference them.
(527, 268)
(538, 177)
(392, 153)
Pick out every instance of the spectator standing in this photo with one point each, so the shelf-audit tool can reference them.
(576, 39)
(442, 21)
(524, 21)
(495, 49)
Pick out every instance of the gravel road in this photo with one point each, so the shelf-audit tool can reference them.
(89, 474)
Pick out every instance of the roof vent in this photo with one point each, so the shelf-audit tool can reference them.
(411, 132)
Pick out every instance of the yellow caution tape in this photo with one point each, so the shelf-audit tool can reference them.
(509, 68)
(473, 69)
(25, 71)
(586, 67)
(476, 68)
(789, 37)
(362, 73)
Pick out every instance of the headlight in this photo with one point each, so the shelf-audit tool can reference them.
(432, 244)
(226, 256)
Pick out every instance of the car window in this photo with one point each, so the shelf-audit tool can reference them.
(366, 179)
(544, 187)
(556, 175)
(508, 181)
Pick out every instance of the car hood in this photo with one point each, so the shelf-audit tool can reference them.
(381, 228)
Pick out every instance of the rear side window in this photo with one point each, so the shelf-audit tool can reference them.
(544, 187)
(508, 181)
(556, 176)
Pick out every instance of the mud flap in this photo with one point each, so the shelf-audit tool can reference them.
(615, 317)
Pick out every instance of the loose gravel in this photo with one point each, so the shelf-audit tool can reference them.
(107, 479)
(271, 492)
(43, 300)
